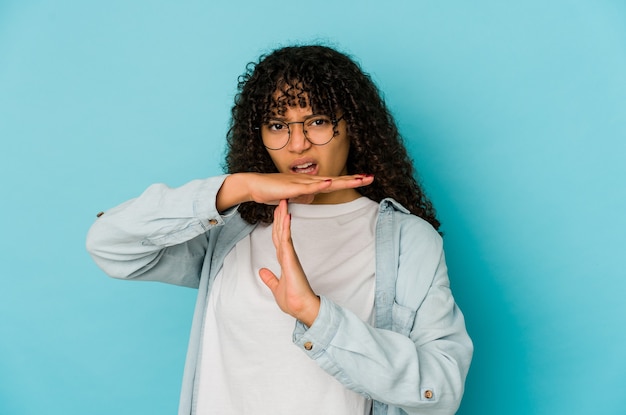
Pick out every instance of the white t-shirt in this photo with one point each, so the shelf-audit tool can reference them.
(249, 364)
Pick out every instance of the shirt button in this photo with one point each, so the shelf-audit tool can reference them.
(308, 345)
(213, 222)
(99, 214)
(428, 394)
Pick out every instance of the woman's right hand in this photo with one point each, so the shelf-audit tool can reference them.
(270, 188)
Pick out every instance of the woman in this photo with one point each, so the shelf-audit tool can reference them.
(322, 282)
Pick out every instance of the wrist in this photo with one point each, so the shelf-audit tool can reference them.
(310, 313)
(232, 192)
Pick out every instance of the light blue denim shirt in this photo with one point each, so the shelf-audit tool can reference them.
(413, 361)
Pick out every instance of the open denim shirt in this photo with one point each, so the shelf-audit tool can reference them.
(177, 236)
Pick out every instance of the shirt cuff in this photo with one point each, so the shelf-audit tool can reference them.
(204, 203)
(193, 212)
(315, 340)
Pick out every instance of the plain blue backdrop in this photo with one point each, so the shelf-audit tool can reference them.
(514, 112)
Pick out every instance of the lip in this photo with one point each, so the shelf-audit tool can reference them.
(304, 166)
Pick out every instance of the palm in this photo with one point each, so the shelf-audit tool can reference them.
(292, 291)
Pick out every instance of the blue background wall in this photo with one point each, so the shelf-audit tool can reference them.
(513, 111)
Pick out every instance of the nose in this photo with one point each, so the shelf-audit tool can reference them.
(297, 140)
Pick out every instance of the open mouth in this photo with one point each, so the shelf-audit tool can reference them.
(305, 168)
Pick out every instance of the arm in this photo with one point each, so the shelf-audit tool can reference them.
(160, 235)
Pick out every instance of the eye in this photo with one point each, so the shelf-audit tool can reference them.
(319, 122)
(276, 126)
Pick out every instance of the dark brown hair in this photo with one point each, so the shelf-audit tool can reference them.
(330, 82)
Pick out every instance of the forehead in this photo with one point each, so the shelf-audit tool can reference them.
(296, 114)
(288, 96)
(297, 96)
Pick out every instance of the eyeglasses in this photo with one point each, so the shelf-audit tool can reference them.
(318, 130)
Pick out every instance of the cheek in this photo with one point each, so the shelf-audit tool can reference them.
(276, 159)
(340, 157)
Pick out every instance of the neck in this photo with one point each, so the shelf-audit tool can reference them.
(334, 198)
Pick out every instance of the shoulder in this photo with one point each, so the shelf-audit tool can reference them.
(409, 229)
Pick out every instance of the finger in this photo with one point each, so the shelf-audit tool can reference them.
(282, 212)
(349, 182)
(324, 184)
(276, 224)
(279, 219)
(284, 232)
(309, 187)
(334, 184)
(287, 256)
(268, 278)
(286, 227)
(354, 180)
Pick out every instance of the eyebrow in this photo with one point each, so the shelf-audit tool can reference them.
(284, 119)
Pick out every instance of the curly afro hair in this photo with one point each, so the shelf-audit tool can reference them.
(330, 83)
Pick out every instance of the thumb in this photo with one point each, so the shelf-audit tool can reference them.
(268, 278)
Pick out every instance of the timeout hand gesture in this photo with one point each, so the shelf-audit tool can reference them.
(292, 291)
(269, 188)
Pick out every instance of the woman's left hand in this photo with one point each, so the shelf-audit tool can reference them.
(292, 291)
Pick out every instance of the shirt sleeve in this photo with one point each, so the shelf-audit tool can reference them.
(420, 366)
(159, 236)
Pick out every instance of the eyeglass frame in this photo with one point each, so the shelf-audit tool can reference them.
(334, 122)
